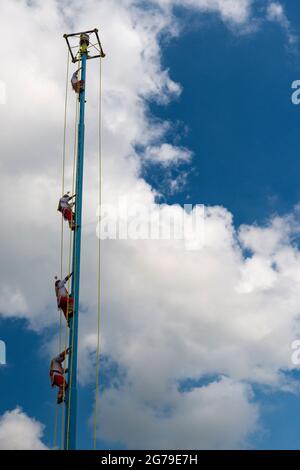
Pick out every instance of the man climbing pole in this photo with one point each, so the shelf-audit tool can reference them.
(77, 85)
(64, 300)
(57, 375)
(65, 207)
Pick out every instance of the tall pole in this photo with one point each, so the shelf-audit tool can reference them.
(71, 393)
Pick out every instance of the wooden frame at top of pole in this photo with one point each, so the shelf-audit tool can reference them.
(91, 47)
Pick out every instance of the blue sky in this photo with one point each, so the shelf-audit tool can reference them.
(235, 114)
(236, 103)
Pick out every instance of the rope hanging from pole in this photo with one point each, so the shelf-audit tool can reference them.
(99, 254)
(70, 252)
(70, 256)
(62, 239)
(62, 225)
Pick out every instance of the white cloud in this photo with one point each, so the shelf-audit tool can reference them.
(276, 13)
(192, 420)
(180, 314)
(12, 302)
(30, 163)
(167, 154)
(20, 432)
(219, 312)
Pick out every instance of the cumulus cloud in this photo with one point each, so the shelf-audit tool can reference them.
(191, 420)
(276, 13)
(20, 432)
(167, 154)
(31, 163)
(169, 314)
(234, 11)
(182, 315)
(221, 312)
(12, 302)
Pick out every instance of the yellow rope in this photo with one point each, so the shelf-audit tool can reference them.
(74, 268)
(61, 277)
(72, 345)
(99, 255)
(70, 257)
(62, 226)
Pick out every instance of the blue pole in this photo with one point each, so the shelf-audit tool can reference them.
(71, 395)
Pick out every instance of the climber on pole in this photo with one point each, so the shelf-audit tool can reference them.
(77, 85)
(57, 375)
(64, 300)
(65, 207)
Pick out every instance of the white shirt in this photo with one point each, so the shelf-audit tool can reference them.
(56, 368)
(61, 291)
(56, 364)
(74, 78)
(64, 202)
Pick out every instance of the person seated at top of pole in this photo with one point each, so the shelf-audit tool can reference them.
(65, 207)
(84, 43)
(64, 301)
(77, 84)
(57, 375)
